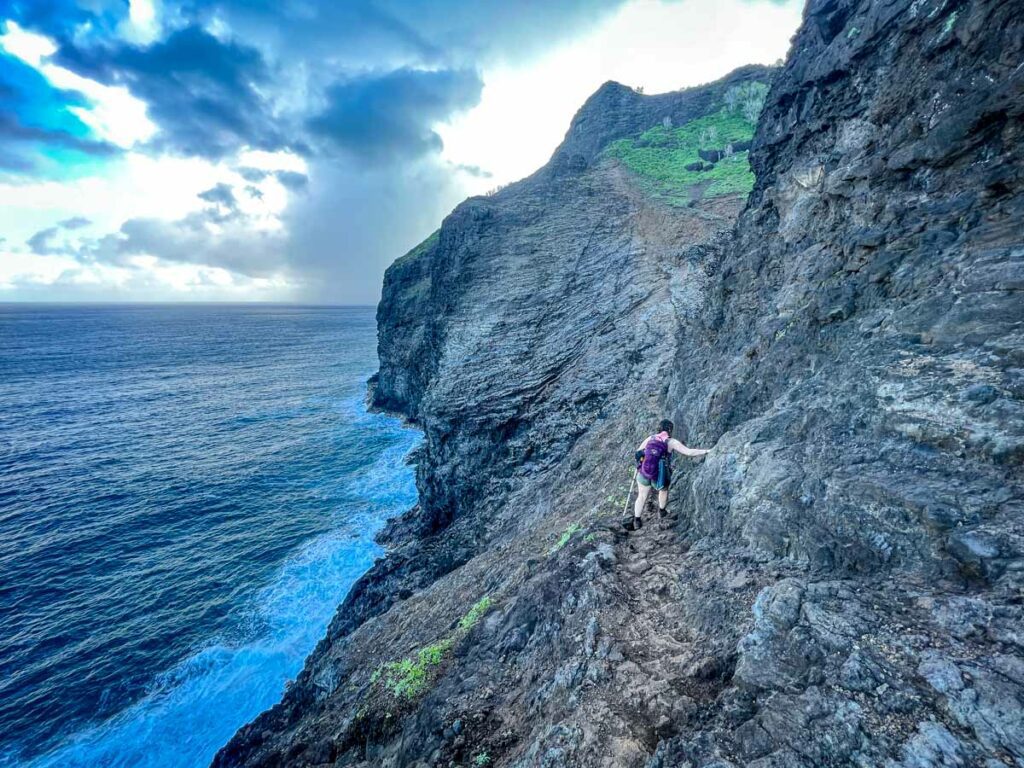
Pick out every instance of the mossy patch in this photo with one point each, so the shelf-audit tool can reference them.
(408, 679)
(660, 156)
(471, 619)
(567, 534)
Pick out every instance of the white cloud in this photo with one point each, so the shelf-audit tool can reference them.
(114, 115)
(27, 276)
(341, 240)
(27, 46)
(272, 161)
(143, 23)
(163, 189)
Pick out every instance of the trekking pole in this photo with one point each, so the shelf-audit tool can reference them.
(624, 511)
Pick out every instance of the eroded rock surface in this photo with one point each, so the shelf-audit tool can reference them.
(841, 580)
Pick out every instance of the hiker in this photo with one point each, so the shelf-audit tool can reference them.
(654, 470)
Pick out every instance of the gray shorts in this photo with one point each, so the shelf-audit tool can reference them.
(650, 483)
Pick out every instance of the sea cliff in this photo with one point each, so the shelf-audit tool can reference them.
(832, 300)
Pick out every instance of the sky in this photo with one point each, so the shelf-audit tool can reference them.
(289, 150)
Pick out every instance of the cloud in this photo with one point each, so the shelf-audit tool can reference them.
(221, 195)
(390, 116)
(206, 94)
(361, 94)
(66, 18)
(221, 234)
(473, 170)
(35, 116)
(409, 33)
(41, 241)
(235, 248)
(293, 180)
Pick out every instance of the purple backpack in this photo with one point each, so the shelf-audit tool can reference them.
(653, 453)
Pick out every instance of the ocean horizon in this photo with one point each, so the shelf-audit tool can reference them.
(188, 492)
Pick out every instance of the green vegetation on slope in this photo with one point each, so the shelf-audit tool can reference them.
(421, 248)
(409, 678)
(567, 534)
(659, 157)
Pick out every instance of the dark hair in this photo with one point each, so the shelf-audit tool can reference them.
(666, 425)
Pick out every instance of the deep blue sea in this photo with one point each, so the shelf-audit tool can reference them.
(186, 495)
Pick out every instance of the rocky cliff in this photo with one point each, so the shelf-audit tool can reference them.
(840, 582)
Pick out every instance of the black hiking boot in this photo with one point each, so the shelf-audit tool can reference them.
(662, 512)
(633, 524)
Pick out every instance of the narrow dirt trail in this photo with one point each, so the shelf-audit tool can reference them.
(652, 648)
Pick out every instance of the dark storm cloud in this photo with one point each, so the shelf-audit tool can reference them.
(390, 116)
(206, 94)
(212, 94)
(353, 85)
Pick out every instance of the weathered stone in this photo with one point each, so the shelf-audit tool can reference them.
(852, 345)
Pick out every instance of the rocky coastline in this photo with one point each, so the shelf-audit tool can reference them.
(841, 582)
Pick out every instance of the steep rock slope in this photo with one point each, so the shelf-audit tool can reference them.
(842, 585)
(866, 334)
(532, 316)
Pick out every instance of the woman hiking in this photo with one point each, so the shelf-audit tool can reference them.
(654, 470)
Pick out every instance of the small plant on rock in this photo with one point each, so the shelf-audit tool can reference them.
(471, 619)
(567, 534)
(409, 678)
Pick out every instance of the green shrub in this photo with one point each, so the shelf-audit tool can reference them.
(482, 759)
(567, 534)
(659, 156)
(476, 613)
(409, 678)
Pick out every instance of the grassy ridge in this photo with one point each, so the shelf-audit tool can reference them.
(660, 155)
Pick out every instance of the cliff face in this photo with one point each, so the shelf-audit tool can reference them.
(841, 581)
(508, 333)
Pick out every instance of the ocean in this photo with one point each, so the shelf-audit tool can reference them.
(186, 495)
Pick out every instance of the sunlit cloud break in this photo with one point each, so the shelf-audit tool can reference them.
(221, 150)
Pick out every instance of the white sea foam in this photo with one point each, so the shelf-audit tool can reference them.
(193, 709)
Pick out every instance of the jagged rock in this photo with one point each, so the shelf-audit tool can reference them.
(851, 344)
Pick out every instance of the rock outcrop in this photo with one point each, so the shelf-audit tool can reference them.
(840, 582)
